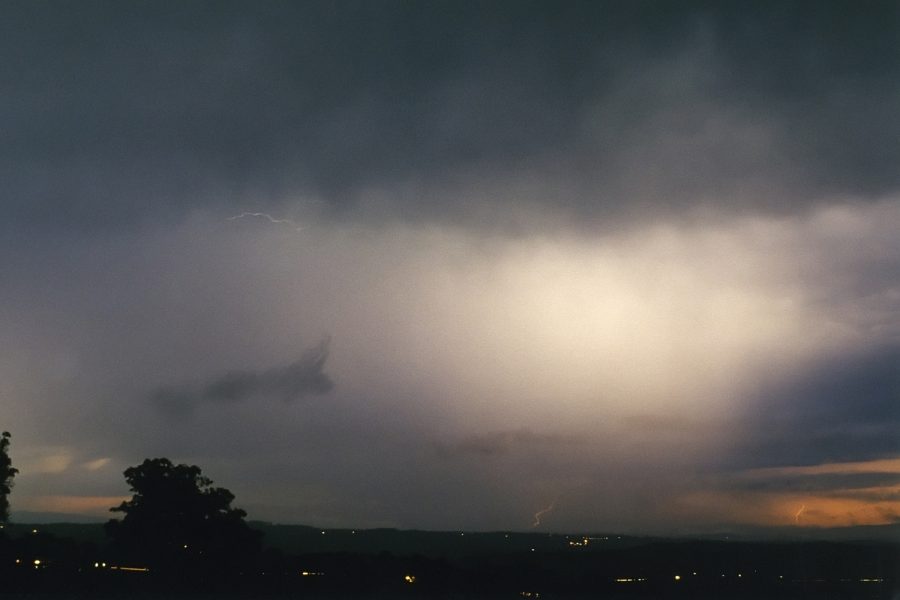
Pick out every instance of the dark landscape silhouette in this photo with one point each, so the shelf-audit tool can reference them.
(180, 535)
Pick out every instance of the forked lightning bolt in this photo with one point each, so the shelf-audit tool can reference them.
(269, 218)
(799, 512)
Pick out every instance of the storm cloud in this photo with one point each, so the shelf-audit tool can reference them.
(846, 409)
(631, 255)
(444, 112)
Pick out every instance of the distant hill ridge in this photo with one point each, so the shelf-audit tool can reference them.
(305, 539)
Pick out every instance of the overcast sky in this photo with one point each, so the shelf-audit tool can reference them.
(449, 264)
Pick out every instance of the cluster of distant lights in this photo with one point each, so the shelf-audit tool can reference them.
(580, 543)
(103, 565)
(584, 540)
(37, 563)
(678, 578)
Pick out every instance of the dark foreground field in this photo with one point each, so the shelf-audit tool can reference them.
(75, 561)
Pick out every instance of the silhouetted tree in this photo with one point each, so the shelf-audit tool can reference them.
(7, 472)
(176, 522)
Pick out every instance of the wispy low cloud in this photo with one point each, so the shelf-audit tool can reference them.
(301, 378)
(886, 465)
(304, 377)
(831, 479)
(96, 464)
(47, 460)
(494, 443)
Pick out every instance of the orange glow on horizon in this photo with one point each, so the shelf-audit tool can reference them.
(73, 504)
(836, 507)
(829, 509)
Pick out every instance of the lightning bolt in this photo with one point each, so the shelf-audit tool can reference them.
(799, 512)
(269, 218)
(542, 512)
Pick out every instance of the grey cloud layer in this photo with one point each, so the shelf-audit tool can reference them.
(117, 113)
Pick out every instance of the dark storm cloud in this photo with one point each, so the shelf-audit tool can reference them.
(302, 378)
(117, 112)
(846, 409)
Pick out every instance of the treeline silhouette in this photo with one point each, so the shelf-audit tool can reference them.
(179, 534)
(7, 473)
(177, 523)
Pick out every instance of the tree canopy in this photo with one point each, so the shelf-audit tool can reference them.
(7, 472)
(176, 521)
